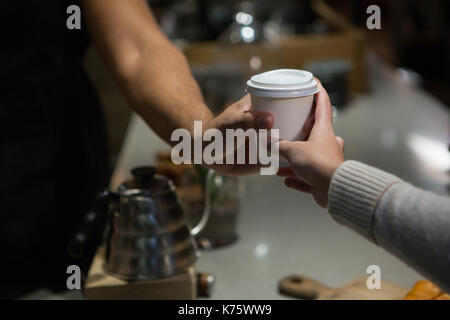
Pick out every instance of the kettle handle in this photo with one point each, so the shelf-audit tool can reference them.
(206, 207)
(90, 231)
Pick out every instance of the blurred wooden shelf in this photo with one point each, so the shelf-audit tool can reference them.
(346, 42)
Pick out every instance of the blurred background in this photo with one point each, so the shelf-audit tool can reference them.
(259, 35)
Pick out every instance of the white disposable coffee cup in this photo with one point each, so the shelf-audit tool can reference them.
(288, 95)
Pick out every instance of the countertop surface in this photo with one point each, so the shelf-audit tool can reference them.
(395, 127)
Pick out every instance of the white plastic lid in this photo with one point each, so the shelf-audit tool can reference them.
(283, 83)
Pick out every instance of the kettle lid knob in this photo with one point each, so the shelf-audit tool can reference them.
(143, 173)
(145, 177)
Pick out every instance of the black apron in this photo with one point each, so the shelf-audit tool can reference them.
(53, 150)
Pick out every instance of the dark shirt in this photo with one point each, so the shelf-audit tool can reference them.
(52, 144)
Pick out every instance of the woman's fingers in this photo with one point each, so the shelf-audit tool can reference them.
(290, 149)
(324, 113)
(341, 142)
(286, 172)
(309, 124)
(298, 185)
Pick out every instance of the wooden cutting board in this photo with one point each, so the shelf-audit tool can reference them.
(299, 286)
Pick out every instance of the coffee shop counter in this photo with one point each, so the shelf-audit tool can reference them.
(395, 127)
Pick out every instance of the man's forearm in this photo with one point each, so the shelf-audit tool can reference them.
(153, 74)
(163, 91)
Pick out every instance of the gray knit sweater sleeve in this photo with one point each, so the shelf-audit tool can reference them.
(410, 223)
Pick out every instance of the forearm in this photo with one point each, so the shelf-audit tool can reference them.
(414, 225)
(408, 222)
(162, 90)
(153, 74)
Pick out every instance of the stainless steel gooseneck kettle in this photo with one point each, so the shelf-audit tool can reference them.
(146, 235)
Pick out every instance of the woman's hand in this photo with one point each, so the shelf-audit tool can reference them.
(313, 162)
